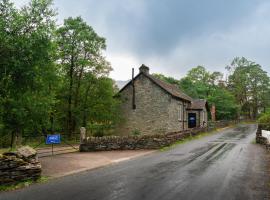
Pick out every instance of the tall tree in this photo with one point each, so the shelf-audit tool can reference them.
(27, 65)
(202, 84)
(250, 85)
(80, 53)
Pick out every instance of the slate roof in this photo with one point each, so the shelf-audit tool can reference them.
(198, 104)
(169, 88)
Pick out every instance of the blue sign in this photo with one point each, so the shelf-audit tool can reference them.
(53, 139)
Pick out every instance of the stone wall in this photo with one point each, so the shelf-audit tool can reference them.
(259, 138)
(133, 142)
(153, 141)
(175, 121)
(19, 166)
(151, 113)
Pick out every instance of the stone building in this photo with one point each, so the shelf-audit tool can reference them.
(152, 106)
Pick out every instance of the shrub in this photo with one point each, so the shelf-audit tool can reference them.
(99, 133)
(264, 118)
(136, 132)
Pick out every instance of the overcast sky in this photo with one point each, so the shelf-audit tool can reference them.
(173, 36)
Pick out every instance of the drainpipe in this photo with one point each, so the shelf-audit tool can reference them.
(133, 91)
(199, 118)
(183, 116)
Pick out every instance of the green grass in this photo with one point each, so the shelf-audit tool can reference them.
(253, 141)
(190, 138)
(23, 184)
(249, 122)
(4, 150)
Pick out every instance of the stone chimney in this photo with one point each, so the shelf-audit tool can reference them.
(144, 69)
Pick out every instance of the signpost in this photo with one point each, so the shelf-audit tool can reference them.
(53, 139)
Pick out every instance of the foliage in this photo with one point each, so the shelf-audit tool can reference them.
(265, 118)
(250, 85)
(52, 77)
(27, 67)
(202, 84)
(55, 78)
(170, 80)
(84, 69)
(23, 184)
(136, 132)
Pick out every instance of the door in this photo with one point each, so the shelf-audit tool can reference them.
(191, 120)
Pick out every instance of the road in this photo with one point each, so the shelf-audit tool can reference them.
(227, 165)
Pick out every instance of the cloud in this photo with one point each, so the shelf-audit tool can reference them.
(173, 36)
(216, 49)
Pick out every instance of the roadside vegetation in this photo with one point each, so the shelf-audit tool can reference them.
(55, 78)
(243, 92)
(265, 118)
(22, 184)
(195, 137)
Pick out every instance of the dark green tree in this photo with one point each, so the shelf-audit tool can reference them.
(250, 85)
(26, 66)
(80, 55)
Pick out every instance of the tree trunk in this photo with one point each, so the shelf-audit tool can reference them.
(85, 105)
(18, 137)
(69, 123)
(76, 97)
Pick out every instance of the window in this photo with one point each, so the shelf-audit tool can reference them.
(180, 113)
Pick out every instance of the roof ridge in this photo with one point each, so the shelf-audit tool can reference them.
(180, 94)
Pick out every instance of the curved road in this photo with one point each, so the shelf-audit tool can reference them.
(225, 166)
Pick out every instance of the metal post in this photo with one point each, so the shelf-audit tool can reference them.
(52, 149)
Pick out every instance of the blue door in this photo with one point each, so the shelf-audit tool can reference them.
(191, 120)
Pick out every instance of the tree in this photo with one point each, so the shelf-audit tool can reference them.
(202, 84)
(80, 53)
(27, 65)
(250, 85)
(170, 80)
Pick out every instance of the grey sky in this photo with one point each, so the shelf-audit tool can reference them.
(173, 36)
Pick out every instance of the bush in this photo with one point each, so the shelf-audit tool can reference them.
(264, 118)
(99, 133)
(136, 132)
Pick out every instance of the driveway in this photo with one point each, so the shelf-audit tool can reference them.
(225, 166)
(70, 163)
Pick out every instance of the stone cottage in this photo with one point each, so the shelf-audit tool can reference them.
(152, 106)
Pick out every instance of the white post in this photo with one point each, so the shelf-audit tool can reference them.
(82, 134)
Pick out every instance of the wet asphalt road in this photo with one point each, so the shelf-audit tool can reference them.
(221, 166)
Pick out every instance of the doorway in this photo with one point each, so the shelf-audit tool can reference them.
(191, 120)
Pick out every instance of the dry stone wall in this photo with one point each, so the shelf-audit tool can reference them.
(153, 141)
(259, 138)
(132, 142)
(19, 166)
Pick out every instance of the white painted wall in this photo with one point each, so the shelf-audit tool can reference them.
(266, 134)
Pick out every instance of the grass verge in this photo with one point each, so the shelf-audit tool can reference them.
(22, 184)
(190, 138)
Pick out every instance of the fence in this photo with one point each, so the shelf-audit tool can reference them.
(68, 143)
